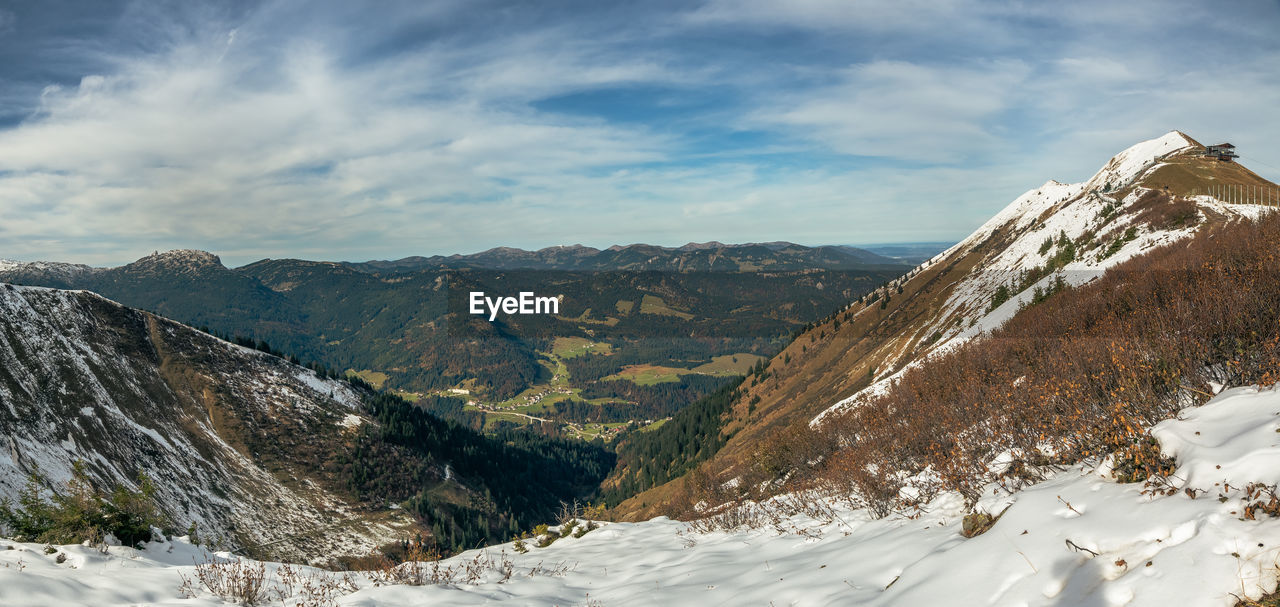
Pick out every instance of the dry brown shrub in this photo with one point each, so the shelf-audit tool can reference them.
(1081, 375)
(1164, 212)
(250, 583)
(1265, 501)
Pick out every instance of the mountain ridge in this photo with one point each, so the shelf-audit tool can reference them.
(126, 391)
(1058, 232)
(398, 321)
(693, 256)
(638, 256)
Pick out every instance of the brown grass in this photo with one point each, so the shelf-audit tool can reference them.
(1187, 175)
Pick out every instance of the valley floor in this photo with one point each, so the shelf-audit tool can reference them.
(1078, 538)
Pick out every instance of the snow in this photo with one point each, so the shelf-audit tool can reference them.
(53, 267)
(152, 434)
(1235, 436)
(340, 391)
(1050, 211)
(1078, 538)
(1250, 211)
(351, 421)
(1130, 164)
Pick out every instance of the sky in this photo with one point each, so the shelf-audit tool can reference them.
(352, 131)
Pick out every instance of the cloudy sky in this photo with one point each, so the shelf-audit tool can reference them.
(350, 130)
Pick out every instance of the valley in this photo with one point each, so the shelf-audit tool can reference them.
(672, 323)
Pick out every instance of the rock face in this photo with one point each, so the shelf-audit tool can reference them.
(242, 443)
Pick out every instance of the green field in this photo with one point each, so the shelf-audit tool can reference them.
(654, 425)
(729, 364)
(569, 347)
(586, 318)
(647, 375)
(373, 378)
(491, 418)
(721, 366)
(652, 304)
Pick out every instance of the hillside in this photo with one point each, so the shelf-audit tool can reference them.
(216, 426)
(1052, 238)
(264, 456)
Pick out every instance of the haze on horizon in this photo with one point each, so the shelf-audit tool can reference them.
(332, 130)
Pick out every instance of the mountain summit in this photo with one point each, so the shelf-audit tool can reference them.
(178, 260)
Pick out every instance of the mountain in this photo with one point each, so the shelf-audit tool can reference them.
(685, 319)
(54, 274)
(235, 440)
(177, 284)
(1057, 237)
(913, 253)
(266, 457)
(692, 257)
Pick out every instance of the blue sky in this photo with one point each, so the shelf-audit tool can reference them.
(352, 131)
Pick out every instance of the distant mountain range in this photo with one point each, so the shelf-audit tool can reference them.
(396, 319)
(907, 252)
(692, 257)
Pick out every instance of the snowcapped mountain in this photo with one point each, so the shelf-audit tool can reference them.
(234, 439)
(50, 272)
(1037, 240)
(1022, 247)
(1152, 194)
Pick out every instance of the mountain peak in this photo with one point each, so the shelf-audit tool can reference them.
(189, 255)
(53, 268)
(178, 259)
(695, 246)
(1127, 166)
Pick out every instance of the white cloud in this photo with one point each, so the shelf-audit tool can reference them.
(280, 134)
(867, 16)
(903, 110)
(196, 145)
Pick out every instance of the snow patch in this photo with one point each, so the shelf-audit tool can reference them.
(1077, 538)
(351, 421)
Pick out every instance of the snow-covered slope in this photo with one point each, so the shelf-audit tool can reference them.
(1079, 538)
(1149, 195)
(1030, 234)
(222, 430)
